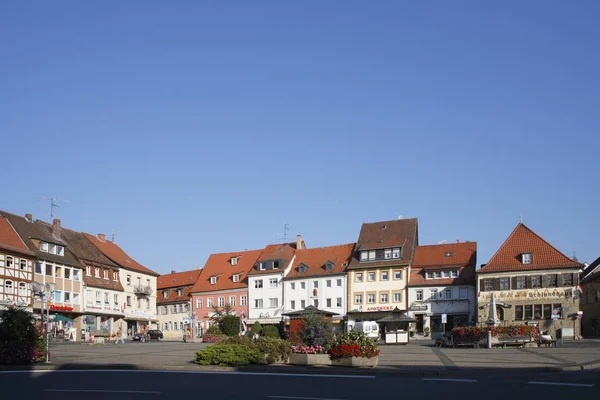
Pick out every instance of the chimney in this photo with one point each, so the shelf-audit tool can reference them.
(102, 237)
(172, 271)
(56, 228)
(299, 245)
(29, 217)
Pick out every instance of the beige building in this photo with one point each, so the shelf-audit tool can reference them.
(174, 304)
(379, 270)
(533, 283)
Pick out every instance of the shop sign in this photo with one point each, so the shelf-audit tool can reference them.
(11, 302)
(529, 294)
(380, 308)
(422, 307)
(60, 308)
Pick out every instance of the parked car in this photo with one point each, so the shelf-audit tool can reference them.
(154, 334)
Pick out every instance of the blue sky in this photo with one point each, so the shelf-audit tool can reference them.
(195, 127)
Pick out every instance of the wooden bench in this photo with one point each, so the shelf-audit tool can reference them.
(465, 341)
(519, 341)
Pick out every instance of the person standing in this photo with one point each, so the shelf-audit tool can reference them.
(120, 336)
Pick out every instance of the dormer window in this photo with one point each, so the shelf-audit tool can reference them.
(449, 254)
(180, 292)
(236, 278)
(262, 266)
(88, 270)
(275, 264)
(97, 272)
(387, 254)
(363, 255)
(234, 260)
(166, 294)
(51, 248)
(105, 274)
(44, 247)
(329, 266)
(60, 251)
(302, 267)
(526, 258)
(396, 252)
(213, 280)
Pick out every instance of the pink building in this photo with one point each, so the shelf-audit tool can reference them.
(223, 281)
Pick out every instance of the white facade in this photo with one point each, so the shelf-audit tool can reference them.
(327, 292)
(265, 298)
(104, 309)
(139, 299)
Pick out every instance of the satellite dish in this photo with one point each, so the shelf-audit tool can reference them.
(37, 288)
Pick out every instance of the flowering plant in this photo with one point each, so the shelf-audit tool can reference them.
(497, 331)
(353, 344)
(314, 349)
(212, 338)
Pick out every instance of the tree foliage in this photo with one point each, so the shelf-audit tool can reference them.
(316, 330)
(256, 328)
(230, 325)
(20, 340)
(270, 331)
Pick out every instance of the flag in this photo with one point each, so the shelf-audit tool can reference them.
(579, 290)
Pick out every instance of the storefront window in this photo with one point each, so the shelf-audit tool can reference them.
(528, 312)
(518, 313)
(547, 311)
(537, 311)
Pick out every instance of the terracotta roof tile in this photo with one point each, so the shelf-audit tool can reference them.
(178, 279)
(117, 255)
(173, 296)
(462, 254)
(220, 265)
(524, 240)
(282, 251)
(316, 258)
(10, 240)
(466, 276)
(375, 235)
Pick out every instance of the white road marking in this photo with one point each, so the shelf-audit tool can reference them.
(301, 398)
(562, 384)
(450, 380)
(62, 371)
(101, 391)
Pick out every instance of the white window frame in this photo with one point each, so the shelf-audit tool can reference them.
(273, 302)
(338, 302)
(236, 278)
(385, 276)
(234, 260)
(116, 299)
(232, 301)
(22, 289)
(396, 252)
(463, 293)
(371, 274)
(273, 282)
(358, 299)
(454, 273)
(44, 247)
(106, 274)
(527, 258)
(433, 294)
(213, 280)
(258, 303)
(199, 302)
(369, 297)
(437, 275)
(243, 300)
(210, 302)
(448, 295)
(75, 274)
(262, 266)
(128, 280)
(429, 275)
(419, 295)
(446, 274)
(397, 297)
(292, 304)
(221, 301)
(258, 284)
(358, 277)
(60, 250)
(384, 298)
(364, 255)
(387, 254)
(97, 272)
(88, 270)
(372, 254)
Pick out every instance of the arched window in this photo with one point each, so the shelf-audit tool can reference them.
(9, 262)
(500, 313)
(23, 264)
(22, 289)
(8, 287)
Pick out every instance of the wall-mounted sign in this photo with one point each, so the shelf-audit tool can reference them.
(528, 294)
(422, 307)
(11, 302)
(380, 308)
(60, 308)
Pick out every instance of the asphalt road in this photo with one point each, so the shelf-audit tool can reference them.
(92, 385)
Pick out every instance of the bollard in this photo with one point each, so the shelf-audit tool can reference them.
(489, 339)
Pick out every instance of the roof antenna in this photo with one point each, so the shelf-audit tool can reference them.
(286, 228)
(112, 235)
(520, 218)
(53, 204)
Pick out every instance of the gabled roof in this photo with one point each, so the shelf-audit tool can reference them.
(466, 276)
(178, 279)
(118, 256)
(283, 251)
(523, 240)
(39, 230)
(395, 233)
(316, 258)
(173, 296)
(220, 265)
(461, 254)
(593, 271)
(10, 240)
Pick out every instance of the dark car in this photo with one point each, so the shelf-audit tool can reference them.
(154, 334)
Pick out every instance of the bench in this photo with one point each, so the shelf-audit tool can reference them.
(519, 341)
(465, 341)
(546, 342)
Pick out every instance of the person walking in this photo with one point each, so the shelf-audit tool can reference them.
(120, 336)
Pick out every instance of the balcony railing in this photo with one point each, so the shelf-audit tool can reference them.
(142, 289)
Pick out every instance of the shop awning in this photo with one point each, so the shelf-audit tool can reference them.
(141, 319)
(60, 317)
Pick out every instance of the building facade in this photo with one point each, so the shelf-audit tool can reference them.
(442, 282)
(174, 303)
(534, 283)
(265, 282)
(318, 278)
(139, 286)
(590, 301)
(223, 284)
(16, 269)
(379, 270)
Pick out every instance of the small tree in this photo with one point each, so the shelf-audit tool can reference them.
(316, 330)
(230, 325)
(270, 331)
(20, 341)
(256, 328)
(221, 312)
(213, 330)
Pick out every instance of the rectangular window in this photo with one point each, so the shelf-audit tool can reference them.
(397, 275)
(339, 283)
(371, 276)
(128, 301)
(232, 301)
(536, 282)
(75, 298)
(139, 302)
(455, 274)
(98, 295)
(358, 299)
(557, 310)
(221, 301)
(129, 280)
(58, 296)
(387, 254)
(38, 268)
(371, 255)
(48, 269)
(67, 297)
(209, 302)
(51, 248)
(384, 297)
(437, 274)
(519, 313)
(316, 303)
(44, 247)
(527, 258)
(396, 253)
(236, 278)
(273, 282)
(521, 282)
(359, 277)
(258, 303)
(504, 283)
(262, 266)
(551, 280)
(384, 276)
(488, 285)
(371, 298)
(529, 312)
(67, 273)
(463, 293)
(338, 302)
(363, 256)
(105, 274)
(537, 311)
(273, 302)
(328, 303)
(213, 280)
(293, 286)
(302, 285)
(446, 274)
(567, 280)
(115, 276)
(275, 264)
(60, 251)
(292, 305)
(58, 272)
(116, 299)
(433, 294)
(328, 283)
(88, 297)
(316, 284)
(397, 297)
(198, 303)
(448, 294)
(258, 284)
(303, 304)
(547, 311)
(419, 295)
(106, 301)
(243, 300)
(97, 272)
(428, 275)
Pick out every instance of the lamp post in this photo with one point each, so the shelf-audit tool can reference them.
(50, 288)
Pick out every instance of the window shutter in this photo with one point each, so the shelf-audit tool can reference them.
(513, 282)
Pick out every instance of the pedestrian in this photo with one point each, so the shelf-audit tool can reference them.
(120, 336)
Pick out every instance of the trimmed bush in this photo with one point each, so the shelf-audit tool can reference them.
(230, 325)
(228, 354)
(316, 330)
(256, 329)
(20, 340)
(274, 349)
(213, 330)
(353, 344)
(270, 331)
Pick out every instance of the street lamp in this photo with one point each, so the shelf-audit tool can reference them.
(50, 288)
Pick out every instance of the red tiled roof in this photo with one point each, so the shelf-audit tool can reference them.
(435, 255)
(466, 276)
(117, 255)
(10, 240)
(220, 265)
(524, 240)
(178, 279)
(316, 258)
(173, 297)
(283, 251)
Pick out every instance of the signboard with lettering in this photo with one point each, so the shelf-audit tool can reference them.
(444, 318)
(422, 307)
(531, 294)
(380, 308)
(60, 308)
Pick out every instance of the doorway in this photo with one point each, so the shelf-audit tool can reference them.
(419, 323)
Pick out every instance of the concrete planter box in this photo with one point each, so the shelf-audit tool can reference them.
(309, 359)
(355, 362)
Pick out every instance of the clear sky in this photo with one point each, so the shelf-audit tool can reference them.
(196, 127)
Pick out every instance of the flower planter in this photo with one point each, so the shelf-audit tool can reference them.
(355, 362)
(309, 359)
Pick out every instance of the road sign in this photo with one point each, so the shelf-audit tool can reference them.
(444, 318)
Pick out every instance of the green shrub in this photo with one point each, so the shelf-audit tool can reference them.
(228, 354)
(20, 340)
(316, 331)
(241, 340)
(274, 349)
(213, 331)
(270, 331)
(256, 328)
(230, 324)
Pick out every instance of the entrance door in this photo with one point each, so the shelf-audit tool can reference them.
(419, 323)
